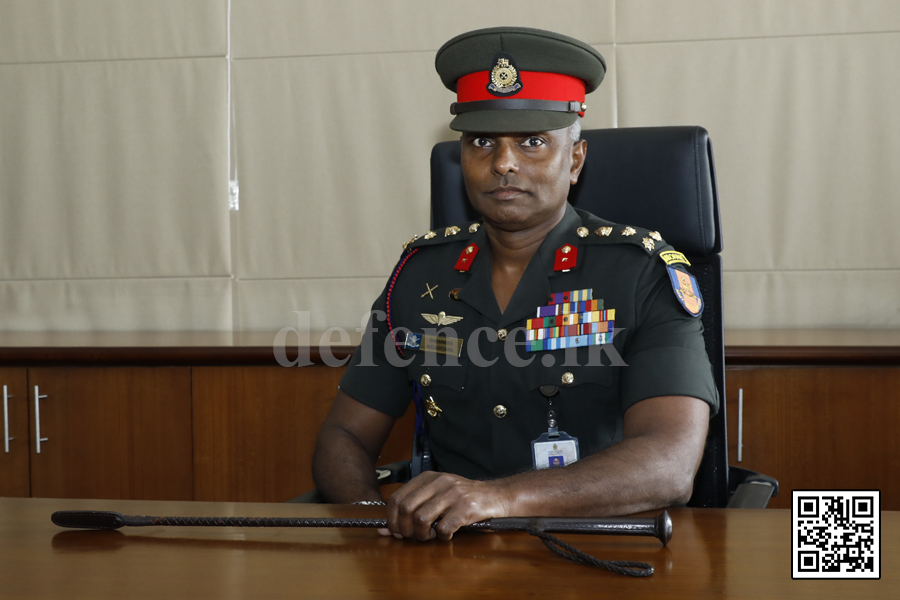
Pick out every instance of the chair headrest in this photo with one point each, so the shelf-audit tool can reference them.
(660, 178)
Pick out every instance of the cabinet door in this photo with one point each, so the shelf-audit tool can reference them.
(13, 434)
(111, 433)
(819, 428)
(255, 429)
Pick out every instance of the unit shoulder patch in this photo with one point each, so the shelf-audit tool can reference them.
(686, 289)
(672, 257)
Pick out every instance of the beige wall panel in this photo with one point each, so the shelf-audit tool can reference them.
(665, 20)
(334, 154)
(333, 158)
(199, 304)
(814, 299)
(319, 27)
(270, 304)
(113, 169)
(66, 30)
(602, 103)
(806, 135)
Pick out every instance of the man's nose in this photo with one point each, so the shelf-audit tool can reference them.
(505, 160)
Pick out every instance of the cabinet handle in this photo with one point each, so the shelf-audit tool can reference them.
(37, 420)
(6, 438)
(740, 443)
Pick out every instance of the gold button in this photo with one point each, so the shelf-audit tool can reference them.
(426, 379)
(582, 232)
(568, 378)
(501, 334)
(566, 249)
(499, 411)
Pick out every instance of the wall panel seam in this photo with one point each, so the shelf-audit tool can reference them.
(372, 53)
(759, 37)
(80, 279)
(107, 60)
(849, 270)
(330, 278)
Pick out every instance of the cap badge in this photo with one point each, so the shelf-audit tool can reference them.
(504, 77)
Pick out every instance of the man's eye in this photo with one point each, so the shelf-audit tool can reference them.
(534, 142)
(482, 142)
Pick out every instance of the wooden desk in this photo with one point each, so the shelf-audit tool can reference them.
(713, 554)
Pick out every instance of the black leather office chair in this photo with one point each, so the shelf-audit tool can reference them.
(663, 179)
(659, 178)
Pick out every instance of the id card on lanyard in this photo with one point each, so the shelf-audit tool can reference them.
(554, 449)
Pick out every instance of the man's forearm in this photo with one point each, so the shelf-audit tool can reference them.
(342, 469)
(652, 467)
(632, 476)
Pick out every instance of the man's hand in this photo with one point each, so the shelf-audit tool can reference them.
(413, 508)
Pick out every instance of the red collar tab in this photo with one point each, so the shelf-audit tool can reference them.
(466, 258)
(566, 258)
(535, 85)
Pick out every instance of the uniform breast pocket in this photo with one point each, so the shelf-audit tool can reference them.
(584, 400)
(447, 413)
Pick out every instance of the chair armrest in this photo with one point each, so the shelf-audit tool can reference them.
(750, 489)
(397, 472)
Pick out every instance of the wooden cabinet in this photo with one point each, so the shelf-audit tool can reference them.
(14, 476)
(255, 429)
(115, 432)
(819, 428)
(208, 416)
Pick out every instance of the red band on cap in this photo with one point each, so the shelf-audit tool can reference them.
(536, 85)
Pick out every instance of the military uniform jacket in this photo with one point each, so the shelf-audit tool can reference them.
(659, 342)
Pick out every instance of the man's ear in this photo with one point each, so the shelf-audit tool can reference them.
(579, 153)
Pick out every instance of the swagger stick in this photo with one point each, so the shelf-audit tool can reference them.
(659, 527)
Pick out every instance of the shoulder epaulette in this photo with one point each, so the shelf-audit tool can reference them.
(454, 233)
(604, 232)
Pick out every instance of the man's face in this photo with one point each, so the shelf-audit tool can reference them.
(520, 180)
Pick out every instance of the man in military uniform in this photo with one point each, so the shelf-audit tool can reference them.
(556, 356)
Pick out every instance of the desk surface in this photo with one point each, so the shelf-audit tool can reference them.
(713, 554)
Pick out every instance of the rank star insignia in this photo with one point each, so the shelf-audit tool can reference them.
(474, 227)
(451, 231)
(604, 231)
(648, 244)
(414, 238)
(429, 235)
(441, 318)
(582, 232)
(655, 235)
(629, 231)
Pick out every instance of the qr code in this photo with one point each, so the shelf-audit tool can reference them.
(836, 534)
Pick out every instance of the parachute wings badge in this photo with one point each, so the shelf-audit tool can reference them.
(441, 318)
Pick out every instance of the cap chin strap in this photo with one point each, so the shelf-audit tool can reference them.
(458, 108)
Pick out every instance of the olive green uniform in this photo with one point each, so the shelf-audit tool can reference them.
(488, 415)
